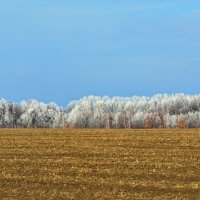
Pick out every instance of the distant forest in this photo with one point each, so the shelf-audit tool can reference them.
(159, 111)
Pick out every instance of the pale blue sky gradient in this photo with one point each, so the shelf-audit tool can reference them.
(61, 50)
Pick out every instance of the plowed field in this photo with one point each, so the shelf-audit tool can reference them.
(99, 164)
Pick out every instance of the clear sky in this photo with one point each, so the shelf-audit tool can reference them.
(61, 50)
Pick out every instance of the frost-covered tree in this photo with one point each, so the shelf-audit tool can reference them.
(159, 111)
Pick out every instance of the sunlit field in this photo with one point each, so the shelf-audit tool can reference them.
(99, 164)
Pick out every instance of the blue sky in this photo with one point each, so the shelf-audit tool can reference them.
(61, 50)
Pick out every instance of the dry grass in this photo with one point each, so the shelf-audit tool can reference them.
(99, 164)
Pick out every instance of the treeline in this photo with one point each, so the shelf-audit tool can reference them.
(159, 111)
(30, 114)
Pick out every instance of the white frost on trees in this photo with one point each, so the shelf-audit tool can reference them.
(159, 111)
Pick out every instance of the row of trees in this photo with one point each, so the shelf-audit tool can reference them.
(30, 114)
(159, 111)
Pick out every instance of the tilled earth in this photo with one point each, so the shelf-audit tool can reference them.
(99, 164)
